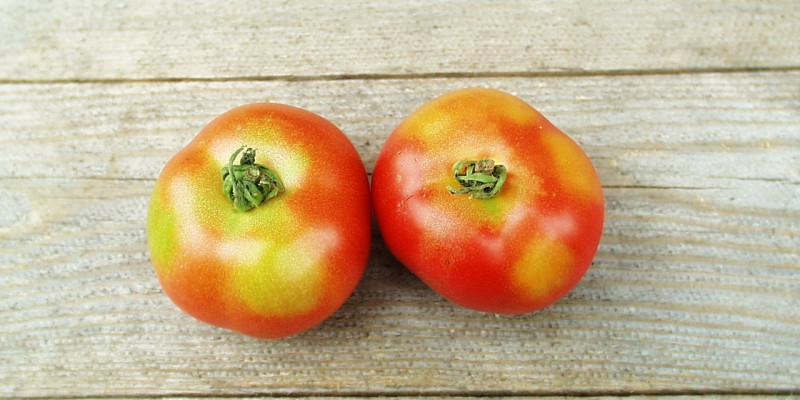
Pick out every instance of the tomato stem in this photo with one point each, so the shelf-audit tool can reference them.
(249, 184)
(482, 179)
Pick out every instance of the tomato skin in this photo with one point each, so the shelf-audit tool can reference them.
(280, 268)
(514, 253)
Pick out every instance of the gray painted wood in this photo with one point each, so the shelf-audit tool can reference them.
(121, 39)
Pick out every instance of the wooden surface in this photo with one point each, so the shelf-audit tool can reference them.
(689, 110)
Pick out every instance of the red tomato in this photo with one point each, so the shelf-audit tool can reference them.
(487, 202)
(290, 249)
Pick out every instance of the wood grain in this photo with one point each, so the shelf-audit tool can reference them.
(695, 289)
(167, 40)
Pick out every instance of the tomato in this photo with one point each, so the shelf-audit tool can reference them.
(261, 224)
(487, 202)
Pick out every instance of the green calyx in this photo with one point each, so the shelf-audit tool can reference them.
(249, 184)
(480, 179)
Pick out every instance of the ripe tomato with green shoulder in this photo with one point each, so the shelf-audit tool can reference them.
(488, 202)
(261, 224)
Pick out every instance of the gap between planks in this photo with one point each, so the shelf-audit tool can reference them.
(438, 394)
(567, 73)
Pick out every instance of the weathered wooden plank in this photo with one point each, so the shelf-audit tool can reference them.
(695, 288)
(705, 132)
(91, 40)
